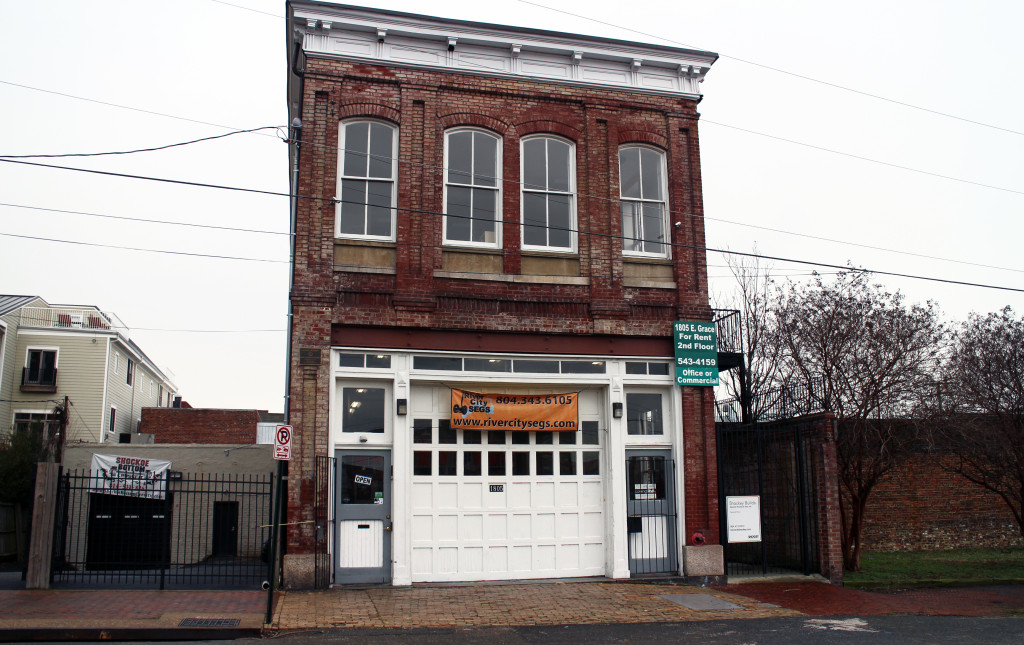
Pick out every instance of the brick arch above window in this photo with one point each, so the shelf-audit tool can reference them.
(627, 137)
(369, 111)
(473, 119)
(541, 127)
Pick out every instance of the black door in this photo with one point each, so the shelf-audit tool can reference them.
(128, 532)
(225, 529)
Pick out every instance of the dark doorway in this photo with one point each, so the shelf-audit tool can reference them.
(128, 532)
(225, 529)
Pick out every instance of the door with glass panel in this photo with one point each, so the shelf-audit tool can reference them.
(363, 543)
(651, 512)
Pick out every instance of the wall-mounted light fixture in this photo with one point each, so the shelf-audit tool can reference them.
(617, 410)
(402, 407)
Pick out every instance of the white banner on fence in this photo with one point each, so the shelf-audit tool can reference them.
(129, 476)
(743, 517)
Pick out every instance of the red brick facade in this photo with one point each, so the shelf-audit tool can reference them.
(421, 295)
(921, 507)
(199, 425)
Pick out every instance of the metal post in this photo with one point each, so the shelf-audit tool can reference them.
(272, 554)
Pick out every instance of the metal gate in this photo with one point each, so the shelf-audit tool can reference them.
(323, 521)
(772, 461)
(208, 531)
(651, 512)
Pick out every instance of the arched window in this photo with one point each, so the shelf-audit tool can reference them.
(548, 194)
(367, 173)
(472, 188)
(644, 202)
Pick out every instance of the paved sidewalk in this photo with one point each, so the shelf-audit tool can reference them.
(502, 604)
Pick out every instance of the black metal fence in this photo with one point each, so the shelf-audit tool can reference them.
(775, 463)
(786, 402)
(323, 522)
(203, 531)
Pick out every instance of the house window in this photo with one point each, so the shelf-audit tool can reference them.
(130, 371)
(472, 188)
(44, 424)
(117, 360)
(549, 186)
(40, 367)
(366, 180)
(643, 202)
(113, 418)
(644, 415)
(363, 409)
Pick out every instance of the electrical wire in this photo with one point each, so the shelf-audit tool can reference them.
(427, 212)
(128, 152)
(786, 72)
(133, 248)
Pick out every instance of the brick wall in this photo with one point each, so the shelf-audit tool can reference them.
(200, 425)
(921, 507)
(364, 308)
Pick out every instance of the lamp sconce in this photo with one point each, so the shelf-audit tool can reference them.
(617, 410)
(402, 407)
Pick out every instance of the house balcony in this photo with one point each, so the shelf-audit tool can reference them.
(730, 338)
(39, 380)
(69, 318)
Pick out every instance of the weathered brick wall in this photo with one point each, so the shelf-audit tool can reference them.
(199, 425)
(360, 307)
(921, 507)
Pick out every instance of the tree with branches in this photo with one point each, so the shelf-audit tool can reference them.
(875, 357)
(980, 406)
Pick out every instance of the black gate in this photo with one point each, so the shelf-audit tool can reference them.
(323, 522)
(207, 531)
(651, 512)
(771, 461)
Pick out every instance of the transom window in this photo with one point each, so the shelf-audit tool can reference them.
(644, 414)
(643, 202)
(472, 188)
(366, 180)
(548, 192)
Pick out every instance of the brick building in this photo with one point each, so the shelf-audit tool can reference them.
(503, 211)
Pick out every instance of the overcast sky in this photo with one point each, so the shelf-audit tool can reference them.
(797, 158)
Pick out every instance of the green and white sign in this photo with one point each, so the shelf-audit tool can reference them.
(696, 346)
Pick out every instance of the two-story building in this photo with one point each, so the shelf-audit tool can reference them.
(49, 352)
(488, 217)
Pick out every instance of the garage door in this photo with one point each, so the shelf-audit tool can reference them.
(505, 505)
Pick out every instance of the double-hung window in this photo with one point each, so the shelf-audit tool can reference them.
(40, 368)
(643, 201)
(366, 180)
(548, 191)
(472, 186)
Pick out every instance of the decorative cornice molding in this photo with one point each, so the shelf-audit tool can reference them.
(493, 50)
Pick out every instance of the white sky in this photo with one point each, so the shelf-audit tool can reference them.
(225, 65)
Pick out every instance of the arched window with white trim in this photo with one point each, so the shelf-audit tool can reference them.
(367, 173)
(472, 188)
(644, 202)
(548, 194)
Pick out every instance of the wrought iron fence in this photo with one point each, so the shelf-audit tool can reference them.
(784, 402)
(773, 462)
(202, 531)
(727, 321)
(323, 518)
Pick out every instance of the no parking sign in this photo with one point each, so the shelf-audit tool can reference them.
(283, 443)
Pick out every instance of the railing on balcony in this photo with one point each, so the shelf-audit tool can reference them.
(39, 379)
(69, 318)
(730, 337)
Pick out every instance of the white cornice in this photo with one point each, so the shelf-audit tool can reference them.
(353, 33)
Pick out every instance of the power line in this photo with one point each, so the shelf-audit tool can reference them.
(146, 220)
(128, 152)
(786, 72)
(133, 248)
(427, 212)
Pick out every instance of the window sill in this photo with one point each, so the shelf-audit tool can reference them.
(648, 284)
(506, 277)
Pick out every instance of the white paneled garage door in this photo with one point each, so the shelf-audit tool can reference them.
(505, 505)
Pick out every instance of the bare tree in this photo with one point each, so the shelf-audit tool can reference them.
(753, 297)
(981, 406)
(875, 356)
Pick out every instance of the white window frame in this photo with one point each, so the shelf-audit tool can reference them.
(42, 348)
(3, 351)
(372, 438)
(117, 361)
(639, 201)
(547, 193)
(668, 417)
(497, 188)
(342, 177)
(129, 369)
(112, 419)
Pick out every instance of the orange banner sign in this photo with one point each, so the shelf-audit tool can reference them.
(488, 411)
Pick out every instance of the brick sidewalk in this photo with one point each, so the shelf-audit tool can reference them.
(505, 604)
